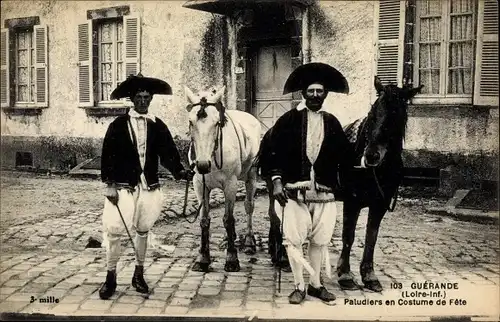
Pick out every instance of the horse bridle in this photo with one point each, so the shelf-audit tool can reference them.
(220, 124)
(362, 134)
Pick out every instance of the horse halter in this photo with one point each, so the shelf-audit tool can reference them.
(220, 124)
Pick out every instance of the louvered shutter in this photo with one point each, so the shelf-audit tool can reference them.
(85, 77)
(132, 26)
(389, 41)
(41, 66)
(4, 71)
(486, 73)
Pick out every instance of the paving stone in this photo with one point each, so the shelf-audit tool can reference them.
(258, 305)
(231, 303)
(185, 294)
(13, 306)
(96, 305)
(35, 288)
(67, 308)
(154, 303)
(169, 282)
(179, 301)
(15, 283)
(121, 308)
(150, 311)
(74, 299)
(185, 287)
(84, 290)
(260, 297)
(176, 310)
(209, 291)
(235, 287)
(131, 299)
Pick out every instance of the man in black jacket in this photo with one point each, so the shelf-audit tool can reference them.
(308, 149)
(129, 166)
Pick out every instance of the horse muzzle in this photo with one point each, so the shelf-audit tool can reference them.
(203, 167)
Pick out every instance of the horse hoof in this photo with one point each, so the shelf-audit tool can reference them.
(349, 285)
(250, 250)
(201, 267)
(232, 266)
(374, 286)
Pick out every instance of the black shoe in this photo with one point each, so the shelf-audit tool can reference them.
(297, 296)
(138, 280)
(321, 293)
(109, 287)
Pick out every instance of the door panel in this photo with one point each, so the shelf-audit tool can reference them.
(272, 68)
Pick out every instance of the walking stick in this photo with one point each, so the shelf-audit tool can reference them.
(279, 252)
(128, 233)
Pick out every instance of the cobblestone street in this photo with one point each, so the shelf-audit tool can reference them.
(47, 222)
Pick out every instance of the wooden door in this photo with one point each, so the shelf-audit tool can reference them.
(271, 69)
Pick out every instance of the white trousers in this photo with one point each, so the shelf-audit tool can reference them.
(140, 209)
(308, 221)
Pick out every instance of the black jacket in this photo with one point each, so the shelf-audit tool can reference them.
(288, 157)
(120, 162)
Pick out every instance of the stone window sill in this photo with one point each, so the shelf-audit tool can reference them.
(24, 109)
(109, 109)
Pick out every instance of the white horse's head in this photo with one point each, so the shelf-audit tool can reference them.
(206, 118)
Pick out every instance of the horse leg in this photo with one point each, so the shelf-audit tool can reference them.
(350, 220)
(203, 261)
(371, 282)
(250, 187)
(232, 262)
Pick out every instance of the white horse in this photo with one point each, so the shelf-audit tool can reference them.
(225, 143)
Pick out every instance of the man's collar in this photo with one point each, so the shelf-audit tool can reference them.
(302, 105)
(133, 113)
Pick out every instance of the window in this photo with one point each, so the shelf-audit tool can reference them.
(24, 70)
(109, 69)
(108, 51)
(25, 67)
(445, 40)
(449, 46)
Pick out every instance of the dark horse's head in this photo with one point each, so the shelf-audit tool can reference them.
(385, 125)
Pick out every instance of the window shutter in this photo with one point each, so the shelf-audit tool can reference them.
(41, 66)
(486, 72)
(4, 71)
(389, 41)
(85, 77)
(132, 26)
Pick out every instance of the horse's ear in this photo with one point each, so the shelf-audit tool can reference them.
(378, 84)
(190, 95)
(414, 91)
(219, 94)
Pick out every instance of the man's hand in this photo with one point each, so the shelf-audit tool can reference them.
(112, 194)
(279, 193)
(186, 175)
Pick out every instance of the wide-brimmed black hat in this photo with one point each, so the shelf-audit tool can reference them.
(307, 74)
(132, 84)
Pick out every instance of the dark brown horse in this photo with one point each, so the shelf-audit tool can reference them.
(380, 141)
(378, 138)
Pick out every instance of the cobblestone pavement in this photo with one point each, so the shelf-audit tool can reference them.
(45, 267)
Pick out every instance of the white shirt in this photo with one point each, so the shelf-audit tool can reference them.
(138, 123)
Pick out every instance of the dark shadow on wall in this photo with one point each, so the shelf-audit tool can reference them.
(216, 53)
(319, 22)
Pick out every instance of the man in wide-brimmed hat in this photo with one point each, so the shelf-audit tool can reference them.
(308, 150)
(133, 144)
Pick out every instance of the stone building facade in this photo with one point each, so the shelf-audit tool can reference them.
(61, 59)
